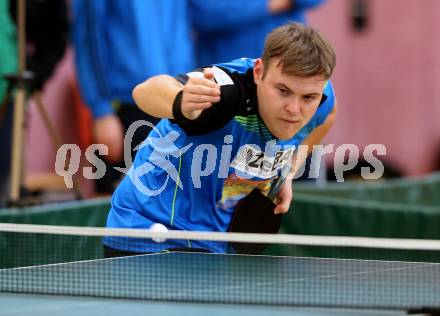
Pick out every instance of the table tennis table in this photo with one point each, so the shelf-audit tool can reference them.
(179, 283)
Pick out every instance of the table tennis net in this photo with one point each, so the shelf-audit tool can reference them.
(332, 271)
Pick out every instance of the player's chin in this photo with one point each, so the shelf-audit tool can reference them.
(285, 134)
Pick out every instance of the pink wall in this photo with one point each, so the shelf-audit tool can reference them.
(387, 83)
(387, 79)
(40, 154)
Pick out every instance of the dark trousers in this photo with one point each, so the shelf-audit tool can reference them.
(127, 113)
(6, 115)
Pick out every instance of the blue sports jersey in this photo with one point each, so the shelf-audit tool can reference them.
(190, 177)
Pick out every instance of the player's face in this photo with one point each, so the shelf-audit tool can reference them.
(286, 103)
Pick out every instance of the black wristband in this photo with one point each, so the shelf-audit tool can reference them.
(177, 109)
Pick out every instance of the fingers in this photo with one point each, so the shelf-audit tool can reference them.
(193, 107)
(203, 81)
(283, 204)
(208, 73)
(199, 97)
(281, 208)
(200, 94)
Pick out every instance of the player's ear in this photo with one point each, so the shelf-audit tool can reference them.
(258, 70)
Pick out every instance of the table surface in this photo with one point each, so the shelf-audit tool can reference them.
(212, 284)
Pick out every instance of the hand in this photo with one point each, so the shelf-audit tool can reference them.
(279, 6)
(199, 94)
(284, 197)
(108, 130)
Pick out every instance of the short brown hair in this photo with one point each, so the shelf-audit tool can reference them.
(302, 51)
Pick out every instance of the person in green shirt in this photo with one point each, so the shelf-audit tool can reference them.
(8, 65)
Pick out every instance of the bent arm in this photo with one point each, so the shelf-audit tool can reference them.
(156, 95)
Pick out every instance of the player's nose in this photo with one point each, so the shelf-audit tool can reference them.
(293, 106)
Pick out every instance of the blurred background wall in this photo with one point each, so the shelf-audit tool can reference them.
(387, 83)
(387, 78)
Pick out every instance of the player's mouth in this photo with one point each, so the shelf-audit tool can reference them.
(290, 121)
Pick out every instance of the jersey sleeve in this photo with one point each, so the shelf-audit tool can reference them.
(235, 94)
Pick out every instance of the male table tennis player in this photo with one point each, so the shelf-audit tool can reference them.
(226, 129)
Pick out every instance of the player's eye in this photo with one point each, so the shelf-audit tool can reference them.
(308, 98)
(284, 92)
